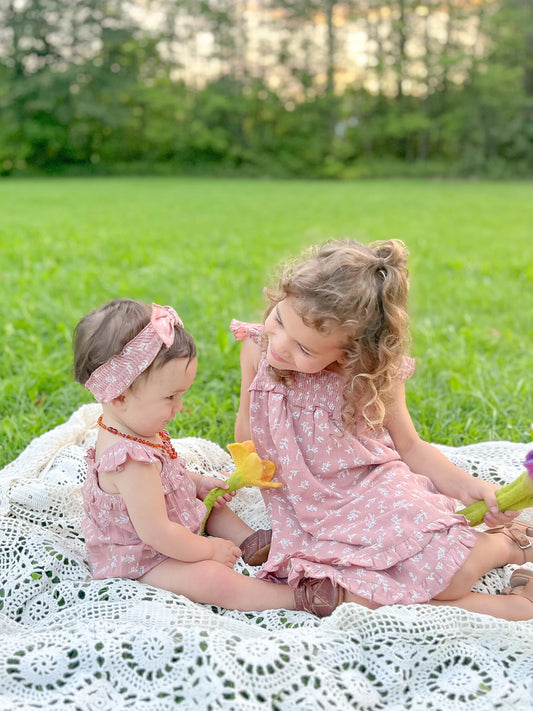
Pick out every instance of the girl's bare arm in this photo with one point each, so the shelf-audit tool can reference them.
(424, 458)
(250, 354)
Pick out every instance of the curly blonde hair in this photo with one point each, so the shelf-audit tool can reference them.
(361, 289)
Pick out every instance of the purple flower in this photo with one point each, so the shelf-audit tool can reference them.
(529, 464)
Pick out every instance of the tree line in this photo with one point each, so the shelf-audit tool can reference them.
(315, 88)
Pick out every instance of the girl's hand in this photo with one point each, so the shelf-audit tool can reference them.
(479, 489)
(500, 518)
(204, 485)
(225, 552)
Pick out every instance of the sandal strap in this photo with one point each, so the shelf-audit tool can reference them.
(517, 532)
(318, 596)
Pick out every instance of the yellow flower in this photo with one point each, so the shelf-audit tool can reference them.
(250, 470)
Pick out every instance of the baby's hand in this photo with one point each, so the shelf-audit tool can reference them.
(225, 552)
(206, 483)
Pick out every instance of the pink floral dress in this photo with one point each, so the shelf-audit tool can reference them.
(350, 509)
(114, 549)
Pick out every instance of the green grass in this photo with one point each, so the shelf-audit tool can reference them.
(208, 246)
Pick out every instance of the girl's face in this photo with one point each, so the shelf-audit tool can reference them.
(294, 346)
(154, 400)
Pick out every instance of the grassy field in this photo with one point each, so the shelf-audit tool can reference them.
(208, 246)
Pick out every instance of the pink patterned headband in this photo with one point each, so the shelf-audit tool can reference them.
(115, 376)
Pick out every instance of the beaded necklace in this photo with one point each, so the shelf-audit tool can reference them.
(165, 446)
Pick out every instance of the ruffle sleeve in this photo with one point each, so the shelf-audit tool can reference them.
(115, 456)
(407, 368)
(241, 330)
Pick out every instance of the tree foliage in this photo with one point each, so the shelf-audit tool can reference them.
(273, 87)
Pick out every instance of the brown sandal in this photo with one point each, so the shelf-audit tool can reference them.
(521, 576)
(318, 596)
(518, 532)
(255, 548)
(521, 584)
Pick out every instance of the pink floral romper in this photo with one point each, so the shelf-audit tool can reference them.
(350, 509)
(114, 549)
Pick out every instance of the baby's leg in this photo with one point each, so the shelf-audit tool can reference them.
(224, 523)
(254, 545)
(212, 583)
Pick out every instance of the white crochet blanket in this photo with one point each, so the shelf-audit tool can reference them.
(69, 641)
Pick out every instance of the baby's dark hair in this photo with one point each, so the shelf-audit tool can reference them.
(363, 291)
(104, 332)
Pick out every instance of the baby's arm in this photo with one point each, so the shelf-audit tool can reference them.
(423, 458)
(250, 354)
(140, 486)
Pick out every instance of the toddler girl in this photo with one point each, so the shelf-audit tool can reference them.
(143, 508)
(367, 510)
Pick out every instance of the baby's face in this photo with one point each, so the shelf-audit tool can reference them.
(292, 345)
(155, 399)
